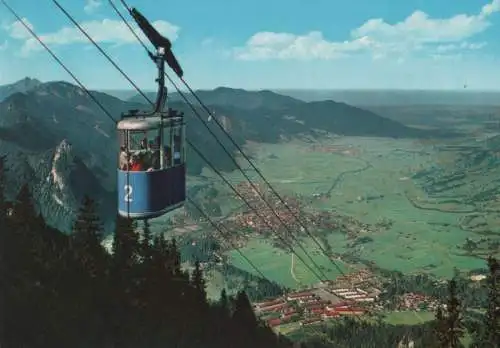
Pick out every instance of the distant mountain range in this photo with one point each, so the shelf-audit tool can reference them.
(377, 97)
(293, 116)
(364, 98)
(58, 139)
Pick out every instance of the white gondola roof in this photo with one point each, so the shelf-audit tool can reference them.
(141, 123)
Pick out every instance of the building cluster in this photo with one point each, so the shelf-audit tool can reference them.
(345, 150)
(356, 294)
(304, 308)
(416, 302)
(351, 294)
(360, 278)
(261, 217)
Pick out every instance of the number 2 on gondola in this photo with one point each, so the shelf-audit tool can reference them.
(128, 193)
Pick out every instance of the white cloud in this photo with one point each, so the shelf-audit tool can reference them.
(103, 31)
(462, 46)
(491, 8)
(4, 45)
(268, 45)
(91, 6)
(17, 30)
(416, 33)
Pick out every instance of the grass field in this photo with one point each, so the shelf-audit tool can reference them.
(276, 264)
(408, 317)
(371, 183)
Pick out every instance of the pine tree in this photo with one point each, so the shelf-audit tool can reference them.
(4, 232)
(243, 313)
(86, 239)
(3, 201)
(175, 257)
(24, 214)
(147, 238)
(224, 302)
(199, 286)
(126, 247)
(449, 324)
(440, 329)
(86, 273)
(28, 227)
(492, 318)
(454, 321)
(123, 278)
(26, 271)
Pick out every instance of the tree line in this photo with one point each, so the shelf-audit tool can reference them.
(68, 291)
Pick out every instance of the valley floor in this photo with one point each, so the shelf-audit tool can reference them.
(369, 180)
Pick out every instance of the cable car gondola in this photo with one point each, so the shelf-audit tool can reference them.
(152, 159)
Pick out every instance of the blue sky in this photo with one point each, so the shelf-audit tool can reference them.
(324, 44)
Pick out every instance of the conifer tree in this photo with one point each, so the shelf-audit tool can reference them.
(87, 237)
(147, 238)
(86, 276)
(24, 214)
(450, 324)
(27, 226)
(3, 201)
(492, 318)
(440, 328)
(175, 257)
(123, 279)
(199, 286)
(4, 233)
(243, 313)
(125, 244)
(224, 302)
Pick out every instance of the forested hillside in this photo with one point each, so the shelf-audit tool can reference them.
(68, 291)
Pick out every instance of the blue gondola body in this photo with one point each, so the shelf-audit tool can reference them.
(152, 159)
(146, 195)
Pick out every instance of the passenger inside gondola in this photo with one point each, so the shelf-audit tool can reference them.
(177, 150)
(144, 143)
(168, 156)
(124, 158)
(154, 147)
(136, 164)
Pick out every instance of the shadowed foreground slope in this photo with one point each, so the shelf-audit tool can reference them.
(67, 291)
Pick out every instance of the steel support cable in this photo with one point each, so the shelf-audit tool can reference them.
(225, 148)
(227, 236)
(11, 10)
(189, 143)
(197, 207)
(282, 239)
(325, 253)
(254, 167)
(111, 117)
(108, 114)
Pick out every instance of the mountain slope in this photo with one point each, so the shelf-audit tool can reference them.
(21, 86)
(54, 137)
(240, 98)
(57, 138)
(260, 109)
